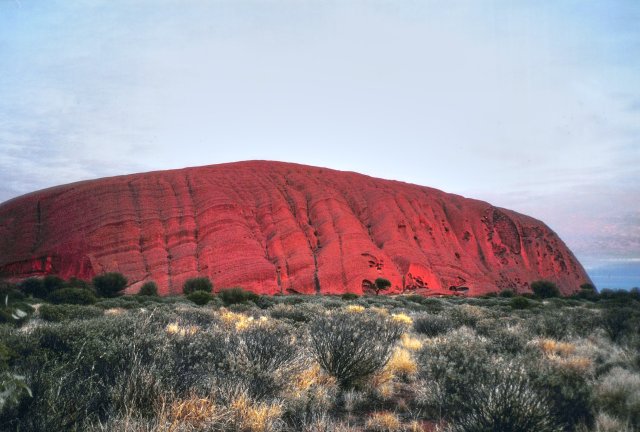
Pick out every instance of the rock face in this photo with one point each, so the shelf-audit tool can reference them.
(279, 228)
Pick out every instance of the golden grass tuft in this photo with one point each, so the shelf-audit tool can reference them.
(311, 376)
(177, 329)
(255, 417)
(383, 422)
(379, 310)
(237, 320)
(402, 319)
(411, 343)
(115, 311)
(402, 363)
(354, 308)
(195, 412)
(554, 347)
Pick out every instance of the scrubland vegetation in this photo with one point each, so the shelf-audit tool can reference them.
(235, 361)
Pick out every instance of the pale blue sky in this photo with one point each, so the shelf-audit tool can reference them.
(531, 105)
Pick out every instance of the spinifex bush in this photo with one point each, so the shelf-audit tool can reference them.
(353, 346)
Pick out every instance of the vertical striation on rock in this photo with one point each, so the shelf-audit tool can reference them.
(276, 227)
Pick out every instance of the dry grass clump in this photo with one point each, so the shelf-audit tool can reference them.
(383, 422)
(195, 412)
(410, 343)
(354, 308)
(114, 311)
(402, 318)
(237, 320)
(180, 330)
(402, 363)
(552, 347)
(564, 354)
(251, 416)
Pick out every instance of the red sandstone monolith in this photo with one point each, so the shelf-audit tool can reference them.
(276, 227)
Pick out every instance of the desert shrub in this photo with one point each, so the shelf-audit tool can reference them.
(504, 400)
(432, 325)
(507, 293)
(353, 346)
(124, 302)
(271, 356)
(109, 284)
(149, 289)
(619, 321)
(200, 298)
(76, 296)
(520, 302)
(72, 369)
(552, 324)
(52, 283)
(466, 315)
(545, 289)
(264, 302)
(381, 284)
(618, 394)
(502, 340)
(34, 287)
(14, 313)
(78, 283)
(293, 313)
(65, 312)
(350, 296)
(568, 391)
(10, 293)
(453, 366)
(237, 295)
(197, 284)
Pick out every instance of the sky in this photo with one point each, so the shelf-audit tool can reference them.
(532, 105)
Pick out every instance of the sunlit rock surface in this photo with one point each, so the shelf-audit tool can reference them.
(275, 227)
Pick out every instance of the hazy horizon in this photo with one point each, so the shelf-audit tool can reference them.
(532, 105)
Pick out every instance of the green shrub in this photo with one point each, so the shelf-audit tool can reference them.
(52, 283)
(109, 284)
(149, 289)
(352, 346)
(545, 289)
(76, 296)
(520, 303)
(432, 325)
(58, 313)
(236, 295)
(10, 293)
(74, 282)
(200, 297)
(350, 296)
(507, 293)
(381, 284)
(34, 287)
(197, 284)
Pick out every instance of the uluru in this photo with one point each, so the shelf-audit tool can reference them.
(274, 227)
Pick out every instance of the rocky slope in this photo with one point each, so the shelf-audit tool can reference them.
(279, 228)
